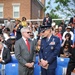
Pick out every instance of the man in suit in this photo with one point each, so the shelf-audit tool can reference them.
(47, 20)
(25, 52)
(33, 39)
(50, 46)
(5, 56)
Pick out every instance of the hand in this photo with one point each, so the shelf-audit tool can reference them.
(32, 64)
(28, 65)
(46, 67)
(43, 62)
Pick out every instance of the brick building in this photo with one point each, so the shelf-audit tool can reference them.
(31, 9)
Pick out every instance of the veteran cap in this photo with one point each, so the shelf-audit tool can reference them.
(43, 28)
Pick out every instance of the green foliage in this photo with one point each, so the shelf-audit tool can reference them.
(54, 16)
(44, 9)
(65, 7)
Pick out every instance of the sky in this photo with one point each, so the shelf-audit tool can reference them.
(53, 6)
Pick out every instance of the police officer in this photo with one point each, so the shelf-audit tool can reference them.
(50, 46)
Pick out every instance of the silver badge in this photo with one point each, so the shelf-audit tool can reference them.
(52, 47)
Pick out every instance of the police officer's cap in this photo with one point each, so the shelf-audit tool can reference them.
(43, 28)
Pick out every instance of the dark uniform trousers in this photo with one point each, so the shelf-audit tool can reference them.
(47, 72)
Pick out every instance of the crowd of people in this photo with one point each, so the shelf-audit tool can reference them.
(47, 40)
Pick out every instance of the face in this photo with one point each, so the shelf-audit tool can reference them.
(67, 37)
(56, 31)
(60, 28)
(68, 29)
(46, 33)
(32, 35)
(26, 34)
(17, 22)
(47, 15)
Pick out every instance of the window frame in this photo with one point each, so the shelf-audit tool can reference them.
(16, 5)
(2, 5)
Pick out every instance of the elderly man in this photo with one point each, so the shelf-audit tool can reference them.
(50, 46)
(24, 51)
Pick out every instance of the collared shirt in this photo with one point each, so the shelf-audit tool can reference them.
(1, 52)
(49, 38)
(24, 39)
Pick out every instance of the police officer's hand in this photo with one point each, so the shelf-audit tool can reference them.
(43, 62)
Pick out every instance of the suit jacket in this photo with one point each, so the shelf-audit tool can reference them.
(6, 56)
(49, 50)
(23, 55)
(49, 22)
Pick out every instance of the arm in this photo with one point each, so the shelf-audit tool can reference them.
(41, 51)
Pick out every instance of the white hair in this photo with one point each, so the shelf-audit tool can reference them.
(24, 29)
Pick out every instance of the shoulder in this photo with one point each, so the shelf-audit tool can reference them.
(19, 41)
(56, 38)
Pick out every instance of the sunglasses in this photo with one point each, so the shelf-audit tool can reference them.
(28, 32)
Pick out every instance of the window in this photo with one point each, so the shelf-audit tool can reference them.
(39, 13)
(16, 10)
(1, 10)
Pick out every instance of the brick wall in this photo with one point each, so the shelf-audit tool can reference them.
(25, 8)
(36, 8)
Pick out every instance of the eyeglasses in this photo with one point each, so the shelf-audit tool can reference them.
(28, 32)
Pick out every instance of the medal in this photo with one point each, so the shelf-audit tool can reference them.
(52, 47)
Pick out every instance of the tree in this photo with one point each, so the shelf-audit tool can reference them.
(66, 7)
